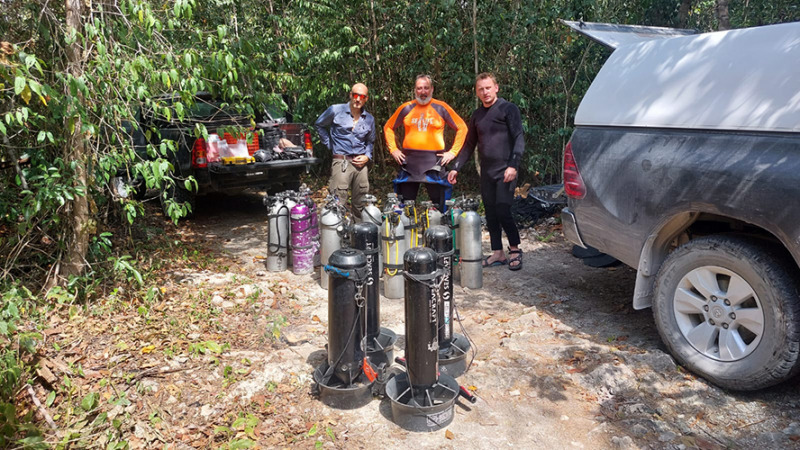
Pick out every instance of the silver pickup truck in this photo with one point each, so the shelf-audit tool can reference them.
(684, 164)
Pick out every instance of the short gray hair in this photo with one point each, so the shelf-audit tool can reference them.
(425, 76)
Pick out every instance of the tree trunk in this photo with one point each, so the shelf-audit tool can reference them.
(683, 12)
(723, 18)
(375, 47)
(475, 52)
(76, 152)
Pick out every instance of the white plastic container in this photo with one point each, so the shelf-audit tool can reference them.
(223, 149)
(212, 154)
(239, 149)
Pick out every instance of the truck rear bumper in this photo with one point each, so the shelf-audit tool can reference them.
(243, 169)
(259, 174)
(570, 227)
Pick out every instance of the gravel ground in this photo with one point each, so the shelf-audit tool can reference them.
(561, 359)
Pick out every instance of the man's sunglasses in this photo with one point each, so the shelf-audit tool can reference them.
(358, 96)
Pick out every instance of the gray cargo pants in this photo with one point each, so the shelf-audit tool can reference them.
(345, 176)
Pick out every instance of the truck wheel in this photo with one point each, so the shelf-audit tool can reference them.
(727, 307)
(139, 191)
(281, 187)
(178, 192)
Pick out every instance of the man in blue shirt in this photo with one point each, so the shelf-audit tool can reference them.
(348, 130)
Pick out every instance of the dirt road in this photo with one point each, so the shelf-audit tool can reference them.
(561, 361)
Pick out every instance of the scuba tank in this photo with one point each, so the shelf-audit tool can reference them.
(372, 214)
(348, 275)
(430, 216)
(393, 247)
(453, 347)
(302, 245)
(305, 196)
(289, 199)
(330, 241)
(450, 218)
(421, 308)
(439, 239)
(411, 223)
(278, 237)
(346, 378)
(365, 237)
(469, 225)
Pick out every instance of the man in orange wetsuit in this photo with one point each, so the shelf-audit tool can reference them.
(424, 154)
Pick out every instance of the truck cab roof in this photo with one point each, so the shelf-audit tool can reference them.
(740, 80)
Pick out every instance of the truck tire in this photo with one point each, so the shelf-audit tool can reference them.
(728, 309)
(286, 186)
(138, 189)
(178, 192)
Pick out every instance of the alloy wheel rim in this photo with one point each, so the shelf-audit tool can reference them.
(718, 313)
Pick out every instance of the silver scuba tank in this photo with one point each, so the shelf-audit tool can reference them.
(430, 216)
(453, 214)
(469, 224)
(373, 214)
(330, 241)
(410, 219)
(278, 237)
(393, 247)
(290, 200)
(305, 196)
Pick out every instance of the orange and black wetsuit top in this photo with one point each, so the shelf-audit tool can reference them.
(423, 142)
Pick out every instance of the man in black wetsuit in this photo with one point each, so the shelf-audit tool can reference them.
(496, 127)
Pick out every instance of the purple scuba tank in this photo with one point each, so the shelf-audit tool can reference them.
(302, 243)
(312, 211)
(305, 195)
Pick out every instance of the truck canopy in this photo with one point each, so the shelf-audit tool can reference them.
(745, 79)
(613, 35)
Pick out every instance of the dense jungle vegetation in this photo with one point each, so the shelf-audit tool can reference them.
(72, 73)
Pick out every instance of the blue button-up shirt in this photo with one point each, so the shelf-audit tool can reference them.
(338, 133)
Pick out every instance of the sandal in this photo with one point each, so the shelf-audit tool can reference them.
(513, 259)
(486, 262)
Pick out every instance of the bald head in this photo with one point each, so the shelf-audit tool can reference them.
(358, 96)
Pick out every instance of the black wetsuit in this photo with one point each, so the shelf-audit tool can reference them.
(498, 132)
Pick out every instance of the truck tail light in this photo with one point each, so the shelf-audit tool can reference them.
(199, 153)
(307, 142)
(573, 182)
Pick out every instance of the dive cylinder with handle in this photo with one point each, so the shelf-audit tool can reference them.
(331, 219)
(469, 225)
(393, 246)
(373, 214)
(290, 200)
(278, 234)
(302, 245)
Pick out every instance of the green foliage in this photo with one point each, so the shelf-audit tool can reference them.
(274, 325)
(142, 58)
(145, 57)
(208, 347)
(16, 346)
(139, 55)
(245, 423)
